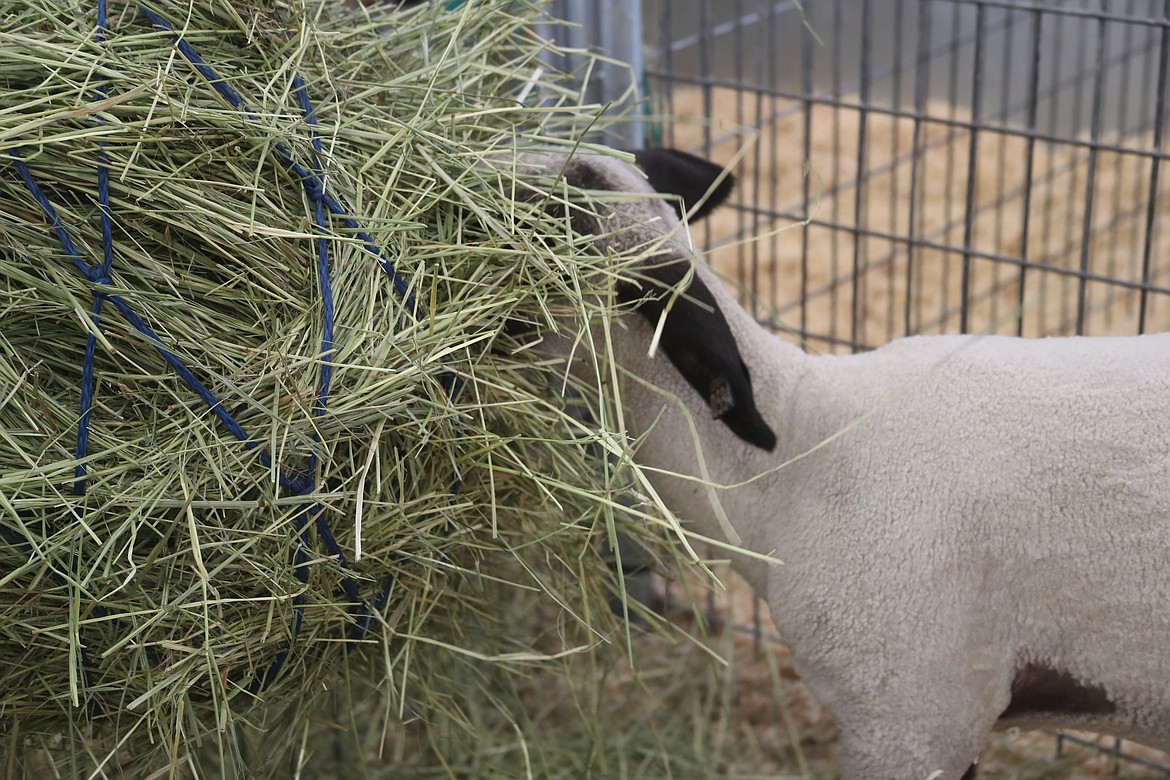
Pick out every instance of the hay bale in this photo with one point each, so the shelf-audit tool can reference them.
(180, 593)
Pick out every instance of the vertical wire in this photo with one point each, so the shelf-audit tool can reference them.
(1091, 176)
(742, 272)
(1146, 116)
(857, 309)
(1155, 169)
(666, 49)
(895, 165)
(764, 58)
(706, 71)
(949, 174)
(769, 32)
(807, 62)
(1071, 212)
(1001, 188)
(917, 162)
(1052, 96)
(1029, 165)
(972, 171)
(1118, 212)
(835, 235)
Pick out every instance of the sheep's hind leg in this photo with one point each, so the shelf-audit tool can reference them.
(900, 762)
(897, 739)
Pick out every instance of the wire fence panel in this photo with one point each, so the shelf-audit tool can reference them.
(977, 166)
(972, 166)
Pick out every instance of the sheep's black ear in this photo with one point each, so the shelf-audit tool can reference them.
(691, 178)
(698, 341)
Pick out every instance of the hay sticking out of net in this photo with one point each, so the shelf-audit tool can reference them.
(425, 529)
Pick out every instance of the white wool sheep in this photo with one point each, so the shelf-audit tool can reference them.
(971, 533)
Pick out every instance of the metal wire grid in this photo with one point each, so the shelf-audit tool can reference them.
(976, 165)
(973, 165)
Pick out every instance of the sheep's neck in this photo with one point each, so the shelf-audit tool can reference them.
(697, 466)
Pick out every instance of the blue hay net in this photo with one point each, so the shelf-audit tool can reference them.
(310, 513)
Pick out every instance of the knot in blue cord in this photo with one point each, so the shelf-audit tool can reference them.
(301, 484)
(98, 275)
(314, 187)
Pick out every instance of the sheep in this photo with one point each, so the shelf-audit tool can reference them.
(953, 533)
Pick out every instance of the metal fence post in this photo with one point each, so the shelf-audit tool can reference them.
(614, 29)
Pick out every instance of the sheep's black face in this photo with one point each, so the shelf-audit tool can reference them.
(695, 335)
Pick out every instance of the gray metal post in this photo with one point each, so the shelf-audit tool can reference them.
(621, 32)
(614, 29)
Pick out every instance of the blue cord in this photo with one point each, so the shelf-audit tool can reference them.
(299, 484)
(310, 510)
(87, 371)
(316, 188)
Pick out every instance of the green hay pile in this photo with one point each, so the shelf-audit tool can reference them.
(138, 620)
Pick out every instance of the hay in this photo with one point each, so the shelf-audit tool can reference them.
(416, 543)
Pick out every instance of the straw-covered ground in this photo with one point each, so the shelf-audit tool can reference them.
(273, 545)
